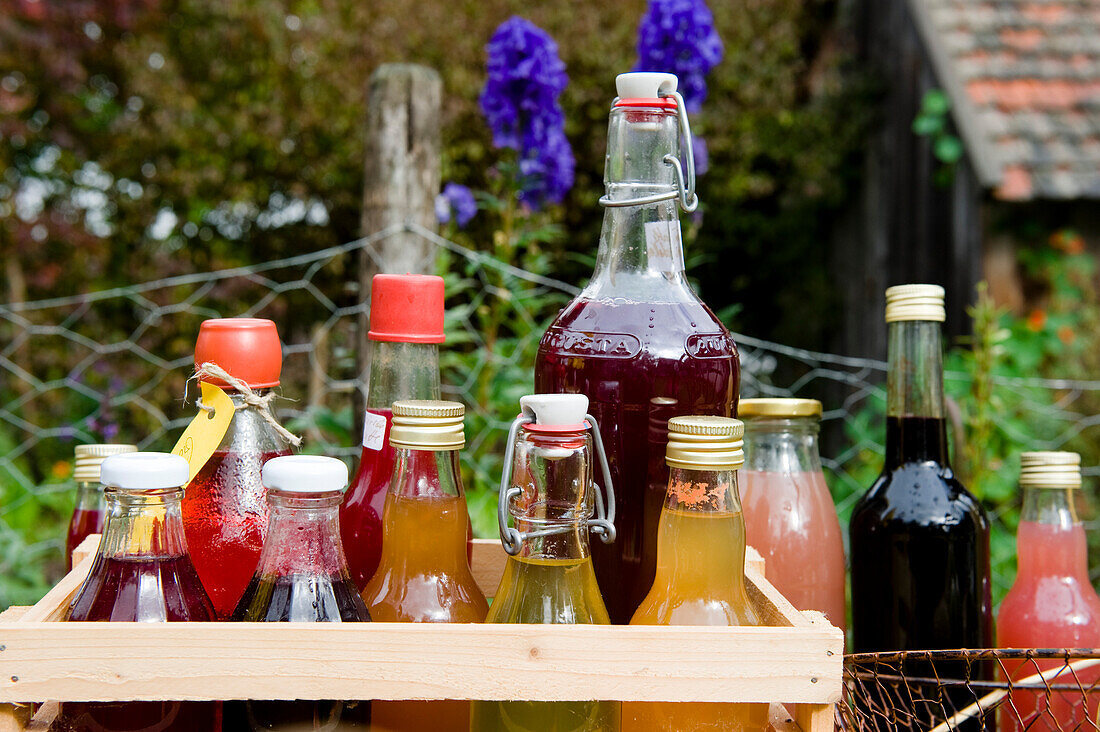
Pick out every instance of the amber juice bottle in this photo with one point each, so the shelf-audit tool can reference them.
(424, 575)
(700, 578)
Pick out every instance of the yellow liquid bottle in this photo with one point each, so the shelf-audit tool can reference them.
(424, 575)
(549, 578)
(700, 576)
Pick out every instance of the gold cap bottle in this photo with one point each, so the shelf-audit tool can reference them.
(90, 457)
(1050, 470)
(705, 443)
(428, 425)
(915, 302)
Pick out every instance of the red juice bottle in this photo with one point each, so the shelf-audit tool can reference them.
(302, 577)
(406, 330)
(142, 573)
(87, 516)
(225, 505)
(1052, 604)
(637, 341)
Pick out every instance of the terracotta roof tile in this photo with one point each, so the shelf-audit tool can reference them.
(1030, 74)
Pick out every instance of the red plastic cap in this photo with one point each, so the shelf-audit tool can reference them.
(247, 348)
(406, 308)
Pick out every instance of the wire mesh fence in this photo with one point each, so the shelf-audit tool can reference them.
(113, 365)
(971, 691)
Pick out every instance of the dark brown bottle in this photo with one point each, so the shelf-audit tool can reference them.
(919, 539)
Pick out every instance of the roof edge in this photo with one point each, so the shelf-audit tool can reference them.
(983, 156)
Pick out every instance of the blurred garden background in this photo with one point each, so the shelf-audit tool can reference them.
(164, 161)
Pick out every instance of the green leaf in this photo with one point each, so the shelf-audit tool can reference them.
(927, 124)
(935, 102)
(948, 149)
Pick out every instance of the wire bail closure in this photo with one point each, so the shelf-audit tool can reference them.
(603, 525)
(685, 181)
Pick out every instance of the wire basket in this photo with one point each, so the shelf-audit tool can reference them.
(972, 690)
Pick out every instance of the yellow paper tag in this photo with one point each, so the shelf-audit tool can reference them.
(202, 437)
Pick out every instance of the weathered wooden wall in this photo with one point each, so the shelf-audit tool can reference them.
(903, 227)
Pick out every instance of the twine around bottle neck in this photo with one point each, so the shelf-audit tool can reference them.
(251, 398)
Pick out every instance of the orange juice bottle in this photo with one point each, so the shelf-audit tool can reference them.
(423, 575)
(700, 576)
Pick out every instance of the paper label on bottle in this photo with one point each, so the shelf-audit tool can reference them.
(662, 243)
(202, 437)
(374, 431)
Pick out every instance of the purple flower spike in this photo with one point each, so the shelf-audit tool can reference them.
(678, 37)
(455, 198)
(520, 103)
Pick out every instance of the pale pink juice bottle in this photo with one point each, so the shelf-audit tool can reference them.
(789, 514)
(1052, 603)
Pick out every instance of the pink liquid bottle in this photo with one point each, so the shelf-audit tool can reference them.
(302, 577)
(87, 516)
(790, 517)
(1052, 603)
(406, 314)
(142, 573)
(637, 341)
(225, 505)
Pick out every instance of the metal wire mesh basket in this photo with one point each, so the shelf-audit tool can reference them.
(972, 690)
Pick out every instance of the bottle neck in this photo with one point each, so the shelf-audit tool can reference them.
(143, 524)
(641, 253)
(89, 496)
(425, 522)
(1051, 540)
(914, 394)
(554, 474)
(401, 370)
(248, 431)
(782, 445)
(303, 535)
(701, 540)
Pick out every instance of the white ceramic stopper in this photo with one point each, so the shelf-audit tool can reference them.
(551, 410)
(143, 471)
(645, 84)
(305, 474)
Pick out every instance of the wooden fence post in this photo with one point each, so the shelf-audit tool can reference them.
(401, 180)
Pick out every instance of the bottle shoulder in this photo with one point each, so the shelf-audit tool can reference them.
(919, 493)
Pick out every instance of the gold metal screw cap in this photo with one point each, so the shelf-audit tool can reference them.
(428, 425)
(705, 443)
(778, 407)
(1050, 470)
(90, 457)
(915, 302)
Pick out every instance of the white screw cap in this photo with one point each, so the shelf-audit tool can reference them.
(305, 474)
(144, 471)
(645, 84)
(552, 410)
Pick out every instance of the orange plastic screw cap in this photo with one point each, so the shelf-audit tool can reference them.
(247, 348)
(406, 308)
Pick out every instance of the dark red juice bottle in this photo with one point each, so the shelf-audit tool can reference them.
(87, 518)
(142, 573)
(919, 538)
(406, 330)
(637, 341)
(302, 577)
(225, 505)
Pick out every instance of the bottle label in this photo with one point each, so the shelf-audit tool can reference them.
(593, 345)
(202, 437)
(662, 243)
(374, 431)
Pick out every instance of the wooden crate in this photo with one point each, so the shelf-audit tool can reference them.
(797, 662)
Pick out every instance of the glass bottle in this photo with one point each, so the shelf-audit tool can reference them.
(406, 330)
(789, 514)
(225, 505)
(919, 539)
(638, 333)
(87, 518)
(424, 574)
(302, 576)
(1052, 604)
(549, 576)
(700, 577)
(142, 573)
